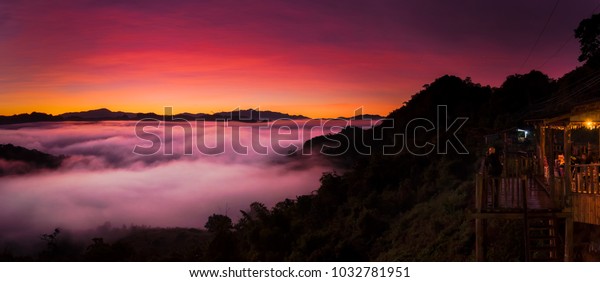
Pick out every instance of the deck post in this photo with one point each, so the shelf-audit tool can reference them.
(480, 223)
(548, 156)
(569, 238)
(567, 177)
(480, 230)
(479, 192)
(525, 217)
(543, 156)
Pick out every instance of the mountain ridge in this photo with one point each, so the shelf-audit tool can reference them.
(104, 114)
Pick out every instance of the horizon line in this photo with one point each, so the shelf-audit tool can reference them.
(187, 112)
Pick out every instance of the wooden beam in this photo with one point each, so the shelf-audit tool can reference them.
(480, 226)
(569, 238)
(517, 215)
(479, 192)
(543, 156)
(567, 152)
(561, 118)
(525, 219)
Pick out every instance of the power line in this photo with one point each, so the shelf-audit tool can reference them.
(537, 40)
(556, 52)
(569, 39)
(576, 89)
(579, 84)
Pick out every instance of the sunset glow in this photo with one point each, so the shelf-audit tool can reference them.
(210, 133)
(319, 60)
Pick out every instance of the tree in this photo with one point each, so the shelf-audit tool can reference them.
(588, 34)
(50, 240)
(223, 246)
(218, 223)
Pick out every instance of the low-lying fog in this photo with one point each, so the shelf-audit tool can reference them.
(104, 180)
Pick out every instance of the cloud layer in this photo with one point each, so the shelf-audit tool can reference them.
(103, 180)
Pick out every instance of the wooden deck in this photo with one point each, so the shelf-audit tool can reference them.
(515, 195)
(528, 199)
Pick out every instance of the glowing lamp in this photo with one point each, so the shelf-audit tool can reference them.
(589, 124)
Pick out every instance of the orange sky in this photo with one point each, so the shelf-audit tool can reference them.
(316, 59)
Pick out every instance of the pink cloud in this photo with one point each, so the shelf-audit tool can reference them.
(103, 180)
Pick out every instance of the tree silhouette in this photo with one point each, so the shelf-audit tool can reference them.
(588, 34)
(51, 239)
(223, 246)
(218, 223)
(51, 251)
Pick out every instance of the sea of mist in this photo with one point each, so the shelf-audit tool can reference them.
(103, 180)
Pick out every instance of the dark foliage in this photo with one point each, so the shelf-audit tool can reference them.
(588, 34)
(26, 160)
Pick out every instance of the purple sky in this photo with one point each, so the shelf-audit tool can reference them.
(317, 58)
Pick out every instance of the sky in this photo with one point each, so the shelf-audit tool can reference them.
(315, 58)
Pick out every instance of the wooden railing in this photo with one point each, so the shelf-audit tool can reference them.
(519, 165)
(516, 194)
(585, 179)
(522, 178)
(585, 189)
(494, 193)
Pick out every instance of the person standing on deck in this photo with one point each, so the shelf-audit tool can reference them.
(559, 165)
(493, 168)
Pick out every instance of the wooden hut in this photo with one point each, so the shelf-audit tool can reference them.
(550, 187)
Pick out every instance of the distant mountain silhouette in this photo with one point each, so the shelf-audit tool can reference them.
(256, 115)
(104, 114)
(33, 117)
(98, 114)
(363, 117)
